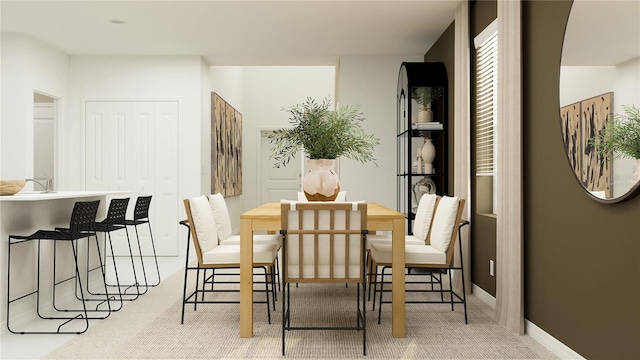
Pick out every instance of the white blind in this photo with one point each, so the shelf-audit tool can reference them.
(486, 86)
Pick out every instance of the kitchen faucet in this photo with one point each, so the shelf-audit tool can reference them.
(48, 188)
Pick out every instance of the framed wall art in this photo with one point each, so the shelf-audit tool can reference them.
(226, 148)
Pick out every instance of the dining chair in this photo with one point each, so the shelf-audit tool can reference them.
(435, 256)
(226, 237)
(212, 255)
(80, 227)
(421, 226)
(324, 242)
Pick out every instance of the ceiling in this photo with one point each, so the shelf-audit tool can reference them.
(237, 32)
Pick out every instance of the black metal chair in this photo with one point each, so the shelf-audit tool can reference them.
(80, 227)
(141, 217)
(115, 221)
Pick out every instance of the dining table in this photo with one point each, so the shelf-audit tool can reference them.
(266, 217)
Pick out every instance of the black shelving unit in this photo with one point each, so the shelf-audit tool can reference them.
(421, 85)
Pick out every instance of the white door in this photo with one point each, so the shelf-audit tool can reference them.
(133, 146)
(277, 183)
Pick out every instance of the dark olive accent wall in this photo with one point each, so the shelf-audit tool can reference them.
(581, 257)
(442, 51)
(483, 228)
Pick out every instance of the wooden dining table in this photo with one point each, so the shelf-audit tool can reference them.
(267, 217)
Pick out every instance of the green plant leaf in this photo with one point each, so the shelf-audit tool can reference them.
(323, 134)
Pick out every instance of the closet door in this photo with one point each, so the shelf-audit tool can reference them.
(133, 146)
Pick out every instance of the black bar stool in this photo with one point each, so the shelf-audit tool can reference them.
(80, 227)
(115, 221)
(140, 217)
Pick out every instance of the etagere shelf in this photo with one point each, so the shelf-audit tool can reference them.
(422, 114)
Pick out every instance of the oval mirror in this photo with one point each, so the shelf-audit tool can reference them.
(599, 79)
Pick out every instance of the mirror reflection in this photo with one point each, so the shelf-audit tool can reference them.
(599, 77)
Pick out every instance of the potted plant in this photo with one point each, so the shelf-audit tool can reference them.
(621, 137)
(325, 135)
(424, 96)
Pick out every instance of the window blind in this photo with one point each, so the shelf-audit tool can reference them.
(486, 99)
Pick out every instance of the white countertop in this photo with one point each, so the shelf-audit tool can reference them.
(38, 196)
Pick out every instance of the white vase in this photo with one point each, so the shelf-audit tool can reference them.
(425, 114)
(320, 182)
(635, 177)
(428, 153)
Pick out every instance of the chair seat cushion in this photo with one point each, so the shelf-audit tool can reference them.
(275, 239)
(386, 239)
(230, 254)
(414, 254)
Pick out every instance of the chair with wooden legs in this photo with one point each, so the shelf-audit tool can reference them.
(210, 255)
(324, 242)
(80, 227)
(435, 257)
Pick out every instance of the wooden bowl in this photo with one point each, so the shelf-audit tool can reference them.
(10, 187)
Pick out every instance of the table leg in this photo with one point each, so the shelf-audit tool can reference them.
(246, 278)
(398, 316)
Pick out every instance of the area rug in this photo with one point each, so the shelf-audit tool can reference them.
(150, 328)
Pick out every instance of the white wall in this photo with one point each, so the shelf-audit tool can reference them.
(371, 82)
(228, 82)
(139, 78)
(268, 89)
(28, 65)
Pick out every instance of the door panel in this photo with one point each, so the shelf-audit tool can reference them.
(277, 183)
(133, 146)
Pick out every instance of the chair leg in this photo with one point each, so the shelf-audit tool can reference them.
(266, 293)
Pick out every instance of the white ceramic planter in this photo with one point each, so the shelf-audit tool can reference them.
(321, 182)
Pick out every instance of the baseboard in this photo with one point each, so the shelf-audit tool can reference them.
(552, 344)
(543, 338)
(484, 296)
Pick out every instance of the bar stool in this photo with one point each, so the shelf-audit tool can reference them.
(140, 217)
(115, 221)
(80, 227)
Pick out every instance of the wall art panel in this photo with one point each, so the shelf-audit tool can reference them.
(226, 148)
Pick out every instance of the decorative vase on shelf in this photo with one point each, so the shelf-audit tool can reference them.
(428, 153)
(321, 182)
(426, 185)
(425, 114)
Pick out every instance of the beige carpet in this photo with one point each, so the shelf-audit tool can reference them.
(149, 328)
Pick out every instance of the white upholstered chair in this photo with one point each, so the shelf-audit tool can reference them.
(225, 230)
(324, 242)
(212, 255)
(435, 255)
(421, 226)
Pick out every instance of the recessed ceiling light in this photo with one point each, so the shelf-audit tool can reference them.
(118, 22)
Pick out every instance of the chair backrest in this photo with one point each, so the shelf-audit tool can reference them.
(323, 241)
(117, 211)
(221, 216)
(83, 216)
(141, 211)
(445, 225)
(202, 225)
(424, 216)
